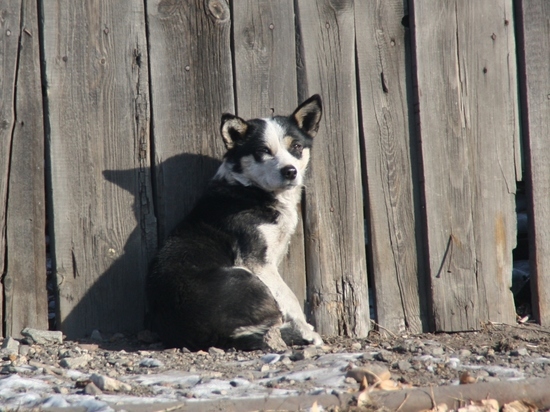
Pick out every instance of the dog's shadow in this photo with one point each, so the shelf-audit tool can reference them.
(115, 302)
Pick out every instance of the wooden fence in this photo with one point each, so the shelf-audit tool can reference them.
(433, 111)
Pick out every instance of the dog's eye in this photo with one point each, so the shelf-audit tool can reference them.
(263, 150)
(297, 146)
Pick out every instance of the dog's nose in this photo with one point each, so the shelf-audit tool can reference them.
(289, 172)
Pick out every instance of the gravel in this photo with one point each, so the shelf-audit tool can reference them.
(126, 370)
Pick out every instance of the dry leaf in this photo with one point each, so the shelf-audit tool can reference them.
(486, 405)
(364, 384)
(314, 407)
(466, 378)
(374, 373)
(519, 406)
(388, 385)
(363, 399)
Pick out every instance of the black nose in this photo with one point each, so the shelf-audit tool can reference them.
(289, 172)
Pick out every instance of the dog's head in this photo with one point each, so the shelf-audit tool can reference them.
(270, 153)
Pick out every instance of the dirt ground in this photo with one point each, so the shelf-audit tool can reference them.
(143, 369)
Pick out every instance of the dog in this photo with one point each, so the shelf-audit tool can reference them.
(215, 282)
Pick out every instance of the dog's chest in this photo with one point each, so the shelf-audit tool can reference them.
(277, 235)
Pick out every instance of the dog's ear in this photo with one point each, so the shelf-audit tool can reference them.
(308, 115)
(233, 129)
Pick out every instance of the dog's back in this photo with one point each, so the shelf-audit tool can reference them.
(196, 294)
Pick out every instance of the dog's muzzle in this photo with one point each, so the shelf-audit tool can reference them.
(289, 172)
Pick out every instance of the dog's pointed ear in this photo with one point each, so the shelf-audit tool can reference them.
(308, 115)
(233, 129)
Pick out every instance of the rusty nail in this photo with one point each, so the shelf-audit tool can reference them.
(506, 22)
(493, 36)
(64, 58)
(271, 26)
(485, 70)
(327, 25)
(106, 30)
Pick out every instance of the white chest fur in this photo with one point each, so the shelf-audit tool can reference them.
(277, 236)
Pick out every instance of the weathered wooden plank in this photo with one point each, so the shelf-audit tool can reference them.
(101, 206)
(9, 43)
(26, 300)
(534, 21)
(465, 72)
(335, 244)
(191, 86)
(391, 165)
(265, 79)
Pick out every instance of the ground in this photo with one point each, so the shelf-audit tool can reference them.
(142, 371)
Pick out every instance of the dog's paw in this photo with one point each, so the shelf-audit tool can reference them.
(313, 338)
(297, 333)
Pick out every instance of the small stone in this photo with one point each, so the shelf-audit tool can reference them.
(150, 363)
(368, 356)
(92, 389)
(76, 362)
(10, 345)
(271, 358)
(519, 352)
(42, 337)
(108, 384)
(464, 353)
(96, 335)
(216, 351)
(350, 380)
(306, 353)
(437, 351)
(403, 365)
(24, 350)
(285, 360)
(356, 346)
(239, 382)
(90, 347)
(273, 341)
(384, 356)
(60, 389)
(264, 368)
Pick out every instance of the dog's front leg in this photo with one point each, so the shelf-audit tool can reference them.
(296, 324)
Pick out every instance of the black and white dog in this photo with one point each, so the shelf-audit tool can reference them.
(215, 282)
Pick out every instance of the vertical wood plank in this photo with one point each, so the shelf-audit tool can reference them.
(335, 245)
(535, 26)
(101, 205)
(465, 68)
(390, 154)
(9, 43)
(191, 86)
(265, 78)
(26, 301)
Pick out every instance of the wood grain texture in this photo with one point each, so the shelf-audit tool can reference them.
(335, 244)
(9, 44)
(390, 153)
(102, 211)
(26, 300)
(265, 79)
(535, 26)
(465, 55)
(192, 85)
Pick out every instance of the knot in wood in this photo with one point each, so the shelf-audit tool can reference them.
(219, 9)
